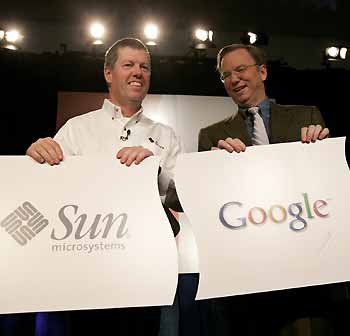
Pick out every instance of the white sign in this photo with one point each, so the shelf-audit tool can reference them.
(274, 217)
(186, 246)
(89, 233)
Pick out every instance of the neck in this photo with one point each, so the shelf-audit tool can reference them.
(127, 109)
(256, 102)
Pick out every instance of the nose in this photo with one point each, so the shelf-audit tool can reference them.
(137, 71)
(234, 78)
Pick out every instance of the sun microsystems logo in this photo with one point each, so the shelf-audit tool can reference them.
(24, 223)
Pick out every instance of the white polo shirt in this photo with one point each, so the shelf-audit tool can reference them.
(105, 131)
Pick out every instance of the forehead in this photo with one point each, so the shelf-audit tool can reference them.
(236, 58)
(135, 55)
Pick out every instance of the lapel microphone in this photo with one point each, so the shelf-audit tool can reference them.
(124, 138)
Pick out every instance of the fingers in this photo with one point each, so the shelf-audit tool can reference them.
(324, 134)
(232, 145)
(316, 133)
(45, 150)
(222, 144)
(142, 155)
(303, 134)
(313, 133)
(310, 132)
(137, 154)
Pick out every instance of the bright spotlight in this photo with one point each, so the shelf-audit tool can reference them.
(342, 53)
(335, 53)
(97, 42)
(13, 36)
(97, 30)
(332, 52)
(2, 34)
(260, 39)
(10, 47)
(252, 37)
(151, 31)
(201, 34)
(211, 35)
(202, 41)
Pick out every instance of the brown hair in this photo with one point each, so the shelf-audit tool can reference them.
(111, 55)
(258, 54)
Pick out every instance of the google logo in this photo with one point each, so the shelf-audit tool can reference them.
(276, 213)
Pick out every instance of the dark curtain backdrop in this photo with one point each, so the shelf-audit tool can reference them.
(30, 84)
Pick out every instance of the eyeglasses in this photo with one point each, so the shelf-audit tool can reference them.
(240, 70)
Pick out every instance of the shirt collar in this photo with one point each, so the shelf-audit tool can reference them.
(115, 112)
(264, 106)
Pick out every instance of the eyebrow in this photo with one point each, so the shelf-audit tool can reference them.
(133, 61)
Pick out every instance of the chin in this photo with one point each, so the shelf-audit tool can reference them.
(242, 102)
(137, 99)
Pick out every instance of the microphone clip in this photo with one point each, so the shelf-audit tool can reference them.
(124, 138)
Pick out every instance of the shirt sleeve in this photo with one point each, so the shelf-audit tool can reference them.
(168, 161)
(168, 165)
(66, 139)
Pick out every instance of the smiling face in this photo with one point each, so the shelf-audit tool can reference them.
(129, 78)
(246, 88)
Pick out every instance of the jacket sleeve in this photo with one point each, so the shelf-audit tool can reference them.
(316, 117)
(204, 142)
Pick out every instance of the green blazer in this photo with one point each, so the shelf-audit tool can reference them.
(285, 124)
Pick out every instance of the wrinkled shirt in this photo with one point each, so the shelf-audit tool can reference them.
(105, 131)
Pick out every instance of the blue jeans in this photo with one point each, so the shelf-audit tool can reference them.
(186, 317)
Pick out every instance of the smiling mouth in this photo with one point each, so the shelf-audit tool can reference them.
(135, 84)
(239, 88)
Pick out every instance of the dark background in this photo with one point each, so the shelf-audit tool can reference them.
(30, 84)
(30, 81)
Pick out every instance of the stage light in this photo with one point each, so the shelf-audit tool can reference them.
(10, 47)
(202, 35)
(332, 52)
(9, 39)
(210, 35)
(97, 30)
(252, 38)
(342, 53)
(13, 36)
(203, 39)
(335, 53)
(151, 31)
(97, 42)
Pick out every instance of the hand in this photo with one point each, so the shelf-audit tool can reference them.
(136, 154)
(231, 145)
(45, 150)
(313, 133)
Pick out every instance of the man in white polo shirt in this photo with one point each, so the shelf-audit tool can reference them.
(120, 129)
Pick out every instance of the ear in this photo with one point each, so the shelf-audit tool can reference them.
(108, 74)
(263, 72)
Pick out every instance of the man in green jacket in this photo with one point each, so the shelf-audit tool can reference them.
(260, 121)
(243, 71)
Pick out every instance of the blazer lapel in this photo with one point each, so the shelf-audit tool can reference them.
(280, 120)
(236, 128)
